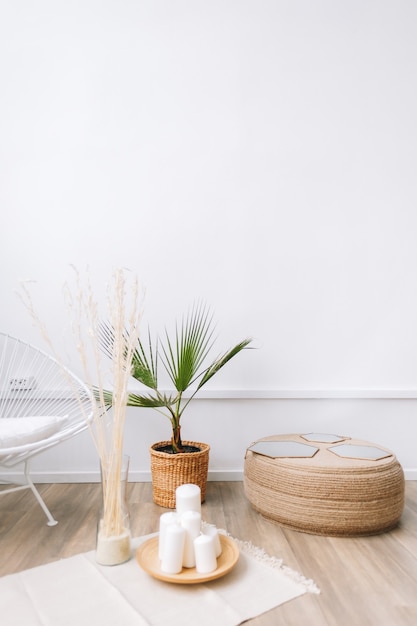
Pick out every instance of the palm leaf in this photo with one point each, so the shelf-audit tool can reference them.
(145, 368)
(151, 402)
(183, 358)
(220, 362)
(103, 394)
(106, 338)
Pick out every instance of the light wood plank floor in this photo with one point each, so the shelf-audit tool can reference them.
(366, 581)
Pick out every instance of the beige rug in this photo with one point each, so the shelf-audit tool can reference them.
(78, 592)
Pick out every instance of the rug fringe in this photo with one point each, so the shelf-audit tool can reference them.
(272, 561)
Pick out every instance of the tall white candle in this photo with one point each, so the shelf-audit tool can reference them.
(212, 531)
(173, 554)
(164, 521)
(205, 554)
(188, 498)
(191, 522)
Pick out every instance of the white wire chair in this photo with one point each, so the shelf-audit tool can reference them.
(42, 404)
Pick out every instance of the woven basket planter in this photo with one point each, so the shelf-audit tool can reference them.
(169, 471)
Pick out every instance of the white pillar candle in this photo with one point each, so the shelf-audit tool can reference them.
(164, 521)
(191, 522)
(205, 555)
(173, 549)
(188, 498)
(212, 531)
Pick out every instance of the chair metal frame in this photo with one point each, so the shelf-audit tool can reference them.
(33, 384)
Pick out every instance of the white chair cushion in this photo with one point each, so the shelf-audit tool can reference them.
(19, 431)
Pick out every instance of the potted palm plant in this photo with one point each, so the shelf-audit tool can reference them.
(186, 358)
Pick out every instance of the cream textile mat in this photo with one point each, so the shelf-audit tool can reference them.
(78, 591)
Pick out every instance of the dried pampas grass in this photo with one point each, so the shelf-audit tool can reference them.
(107, 424)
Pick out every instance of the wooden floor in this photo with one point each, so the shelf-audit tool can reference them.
(366, 581)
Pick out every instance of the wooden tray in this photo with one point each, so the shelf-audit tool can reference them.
(148, 558)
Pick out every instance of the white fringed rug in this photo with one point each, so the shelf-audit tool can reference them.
(77, 591)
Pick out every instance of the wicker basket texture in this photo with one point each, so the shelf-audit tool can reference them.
(169, 471)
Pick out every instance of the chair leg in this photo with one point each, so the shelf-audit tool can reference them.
(51, 520)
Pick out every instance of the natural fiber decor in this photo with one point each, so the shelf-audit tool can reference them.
(326, 494)
(169, 471)
(72, 590)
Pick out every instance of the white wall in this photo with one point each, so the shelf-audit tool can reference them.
(231, 425)
(258, 154)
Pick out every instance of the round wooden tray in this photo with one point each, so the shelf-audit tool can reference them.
(148, 558)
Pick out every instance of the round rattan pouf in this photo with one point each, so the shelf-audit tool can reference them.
(342, 487)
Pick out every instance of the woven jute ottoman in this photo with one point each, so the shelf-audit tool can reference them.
(325, 484)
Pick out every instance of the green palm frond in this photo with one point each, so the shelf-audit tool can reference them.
(193, 342)
(152, 402)
(183, 357)
(145, 367)
(220, 362)
(106, 338)
(104, 395)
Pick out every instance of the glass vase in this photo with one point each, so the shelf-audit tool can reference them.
(113, 528)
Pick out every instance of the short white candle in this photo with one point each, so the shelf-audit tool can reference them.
(173, 554)
(164, 521)
(191, 522)
(212, 531)
(205, 554)
(188, 498)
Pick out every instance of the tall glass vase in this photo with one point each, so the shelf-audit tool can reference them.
(113, 529)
